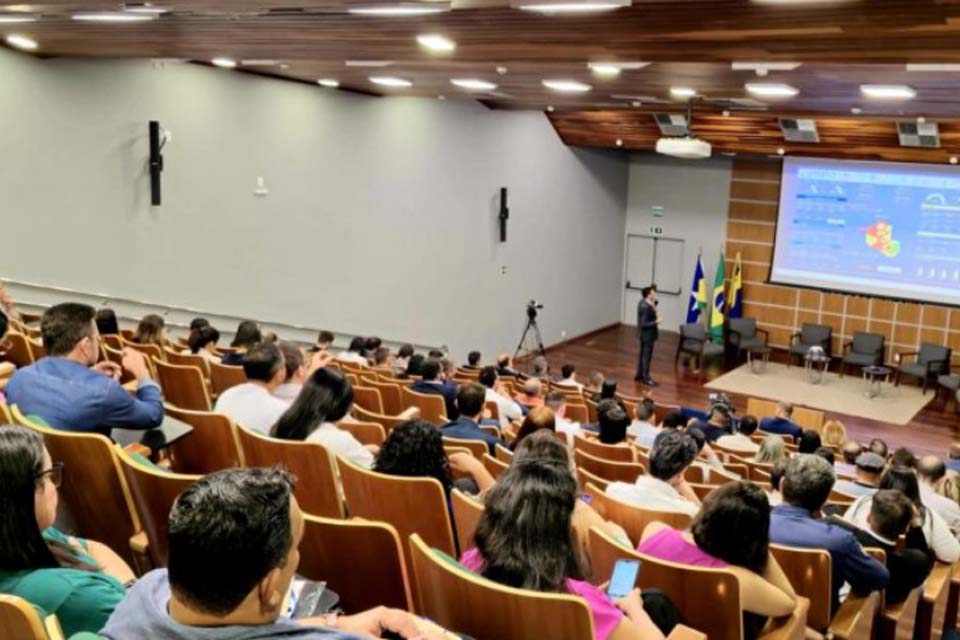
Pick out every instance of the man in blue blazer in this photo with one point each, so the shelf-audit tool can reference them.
(471, 398)
(432, 383)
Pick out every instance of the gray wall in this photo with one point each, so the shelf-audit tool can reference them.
(695, 195)
(381, 217)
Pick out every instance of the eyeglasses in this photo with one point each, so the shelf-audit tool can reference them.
(55, 472)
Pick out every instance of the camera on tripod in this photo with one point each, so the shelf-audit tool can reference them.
(532, 307)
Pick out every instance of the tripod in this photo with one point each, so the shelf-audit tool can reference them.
(532, 330)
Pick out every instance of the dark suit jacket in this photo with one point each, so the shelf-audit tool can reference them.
(464, 429)
(647, 328)
(447, 389)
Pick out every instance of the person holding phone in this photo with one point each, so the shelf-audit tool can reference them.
(523, 540)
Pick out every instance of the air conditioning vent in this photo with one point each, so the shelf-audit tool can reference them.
(799, 130)
(672, 124)
(916, 134)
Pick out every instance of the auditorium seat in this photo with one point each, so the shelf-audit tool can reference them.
(361, 561)
(116, 356)
(930, 362)
(183, 386)
(18, 350)
(213, 445)
(576, 413)
(368, 398)
(864, 350)
(632, 518)
(607, 469)
(5, 414)
(37, 351)
(695, 343)
(317, 489)
(502, 454)
(467, 512)
(933, 604)
(365, 432)
(113, 340)
(223, 376)
(148, 350)
(810, 335)
(432, 407)
(605, 451)
(390, 396)
(20, 620)
(153, 493)
(188, 360)
(743, 334)
(708, 599)
(388, 422)
(477, 448)
(495, 467)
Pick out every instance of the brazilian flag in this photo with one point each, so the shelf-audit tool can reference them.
(719, 304)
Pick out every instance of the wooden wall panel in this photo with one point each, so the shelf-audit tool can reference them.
(781, 310)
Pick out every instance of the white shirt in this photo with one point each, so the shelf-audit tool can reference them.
(947, 508)
(738, 442)
(288, 391)
(342, 443)
(645, 432)
(939, 538)
(507, 408)
(352, 356)
(570, 429)
(569, 382)
(652, 493)
(252, 406)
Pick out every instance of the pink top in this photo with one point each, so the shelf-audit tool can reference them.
(606, 616)
(669, 544)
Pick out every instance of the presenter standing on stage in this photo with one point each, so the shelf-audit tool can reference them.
(648, 321)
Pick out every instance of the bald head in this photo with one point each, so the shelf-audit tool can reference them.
(955, 451)
(851, 449)
(931, 469)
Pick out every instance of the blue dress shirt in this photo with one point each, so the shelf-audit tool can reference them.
(466, 429)
(446, 389)
(781, 426)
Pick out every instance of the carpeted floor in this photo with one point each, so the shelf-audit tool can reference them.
(847, 395)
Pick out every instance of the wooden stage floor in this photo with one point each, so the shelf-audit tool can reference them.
(614, 351)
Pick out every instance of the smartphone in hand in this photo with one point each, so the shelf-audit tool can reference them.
(623, 579)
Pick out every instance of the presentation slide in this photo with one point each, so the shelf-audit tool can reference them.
(874, 228)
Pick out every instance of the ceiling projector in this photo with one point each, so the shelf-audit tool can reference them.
(687, 148)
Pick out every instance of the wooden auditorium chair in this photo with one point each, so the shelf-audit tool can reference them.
(366, 433)
(432, 407)
(632, 518)
(183, 386)
(20, 620)
(223, 376)
(608, 470)
(467, 512)
(597, 449)
(213, 445)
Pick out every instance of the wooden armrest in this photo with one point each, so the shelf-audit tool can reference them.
(764, 332)
(937, 581)
(681, 632)
(52, 626)
(906, 354)
(935, 364)
(855, 616)
(139, 543)
(792, 627)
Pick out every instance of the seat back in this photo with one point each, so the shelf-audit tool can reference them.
(585, 478)
(183, 386)
(930, 352)
(477, 448)
(495, 467)
(113, 340)
(608, 470)
(5, 416)
(18, 349)
(95, 500)
(19, 620)
(746, 327)
(188, 360)
(604, 451)
(467, 512)
(412, 505)
(151, 351)
(809, 572)
(387, 422)
(816, 335)
(361, 561)
(154, 493)
(223, 376)
(315, 467)
(709, 599)
(365, 432)
(389, 396)
(432, 407)
(503, 454)
(868, 344)
(632, 518)
(577, 413)
(213, 445)
(368, 398)
(457, 599)
(693, 331)
(37, 350)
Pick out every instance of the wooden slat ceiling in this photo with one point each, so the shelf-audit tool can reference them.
(691, 43)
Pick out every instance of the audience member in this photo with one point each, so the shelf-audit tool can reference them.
(608, 391)
(151, 330)
(70, 390)
(781, 423)
(879, 447)
(470, 399)
(414, 366)
(707, 461)
(740, 442)
(595, 382)
(891, 515)
(198, 323)
(234, 538)
(869, 469)
(642, 427)
(402, 360)
(826, 453)
(325, 400)
(79, 581)
(524, 541)
(539, 418)
(252, 404)
(530, 394)
(203, 342)
(556, 401)
(674, 420)
(663, 488)
(370, 346)
(414, 449)
(931, 474)
(731, 531)
(295, 372)
(505, 367)
(851, 451)
(324, 342)
(809, 442)
(719, 422)
(436, 353)
(805, 487)
(772, 450)
(776, 478)
(383, 359)
(247, 336)
(612, 422)
(834, 434)
(356, 353)
(473, 361)
(903, 457)
(495, 392)
(941, 541)
(432, 383)
(539, 368)
(106, 321)
(568, 377)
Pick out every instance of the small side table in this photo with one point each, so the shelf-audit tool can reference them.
(816, 367)
(873, 378)
(758, 358)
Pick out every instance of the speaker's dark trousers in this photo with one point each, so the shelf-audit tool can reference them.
(647, 340)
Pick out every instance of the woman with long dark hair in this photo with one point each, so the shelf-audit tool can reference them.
(325, 399)
(248, 335)
(151, 330)
(524, 540)
(78, 580)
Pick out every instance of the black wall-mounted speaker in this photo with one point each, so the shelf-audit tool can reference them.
(156, 162)
(504, 214)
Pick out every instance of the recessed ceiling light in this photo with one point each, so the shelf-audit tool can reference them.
(933, 68)
(113, 16)
(146, 7)
(921, 120)
(765, 66)
(226, 63)
(368, 63)
(856, 111)
(781, 151)
(399, 10)
(567, 86)
(682, 92)
(953, 159)
(441, 97)
(11, 18)
(888, 91)
(575, 6)
(21, 42)
(473, 84)
(328, 82)
(604, 68)
(619, 142)
(726, 114)
(771, 90)
(550, 108)
(390, 81)
(637, 103)
(436, 42)
(260, 63)
(502, 71)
